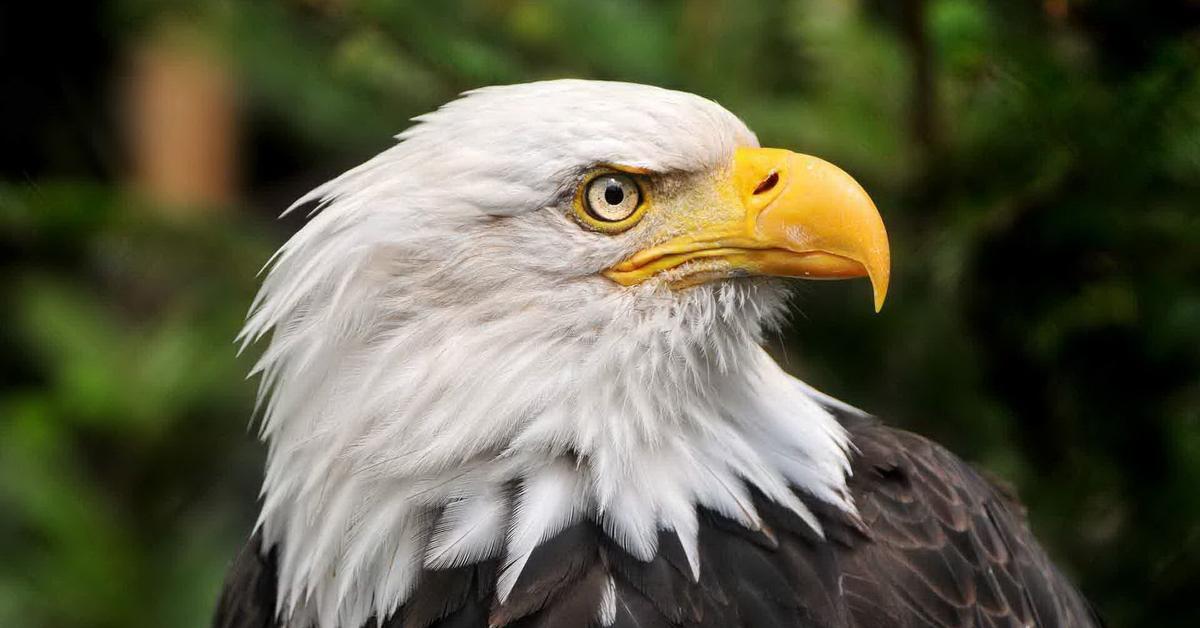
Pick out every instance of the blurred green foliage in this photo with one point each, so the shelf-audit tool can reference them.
(122, 404)
(1038, 165)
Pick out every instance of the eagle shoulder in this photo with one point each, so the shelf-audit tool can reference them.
(248, 596)
(946, 546)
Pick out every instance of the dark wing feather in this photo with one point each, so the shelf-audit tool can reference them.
(454, 589)
(248, 599)
(558, 571)
(575, 605)
(665, 582)
(946, 547)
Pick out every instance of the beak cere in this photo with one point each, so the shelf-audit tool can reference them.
(802, 217)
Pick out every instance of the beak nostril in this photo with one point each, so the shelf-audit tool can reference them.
(767, 184)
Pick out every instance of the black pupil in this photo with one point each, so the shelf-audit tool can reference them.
(613, 194)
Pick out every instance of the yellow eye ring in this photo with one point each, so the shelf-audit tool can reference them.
(610, 201)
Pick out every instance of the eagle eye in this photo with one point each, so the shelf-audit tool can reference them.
(610, 201)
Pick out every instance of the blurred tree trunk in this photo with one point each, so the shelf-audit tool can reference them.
(181, 122)
(923, 120)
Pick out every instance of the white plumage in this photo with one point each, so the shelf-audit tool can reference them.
(439, 331)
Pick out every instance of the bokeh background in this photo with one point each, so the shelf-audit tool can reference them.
(1037, 163)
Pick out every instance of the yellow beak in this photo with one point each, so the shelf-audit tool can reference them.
(801, 217)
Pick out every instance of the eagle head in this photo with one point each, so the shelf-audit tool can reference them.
(544, 304)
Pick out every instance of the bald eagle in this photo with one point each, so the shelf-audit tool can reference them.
(515, 378)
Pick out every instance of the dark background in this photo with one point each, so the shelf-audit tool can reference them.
(1037, 164)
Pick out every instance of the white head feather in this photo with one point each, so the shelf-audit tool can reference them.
(449, 378)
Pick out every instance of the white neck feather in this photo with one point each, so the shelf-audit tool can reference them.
(396, 446)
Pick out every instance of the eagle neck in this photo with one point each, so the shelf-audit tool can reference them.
(461, 436)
